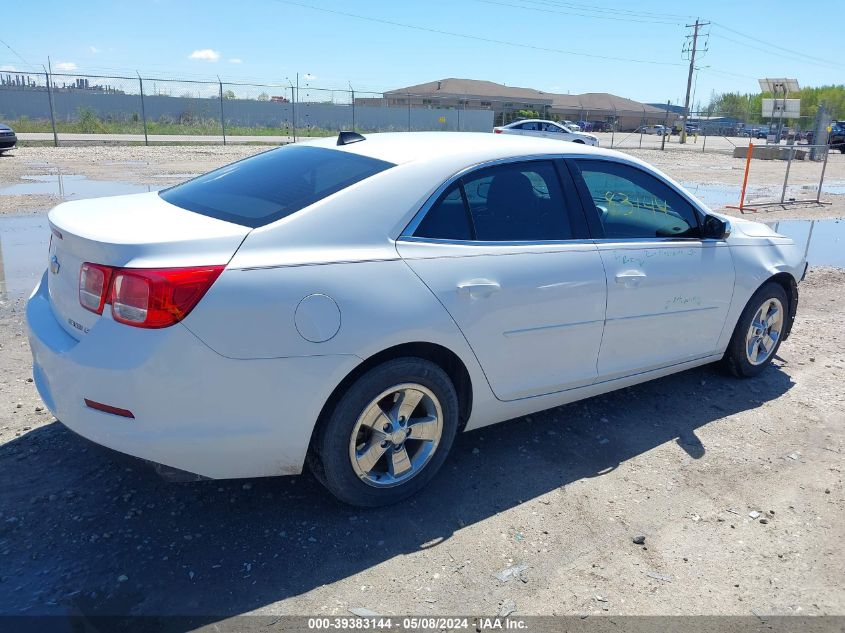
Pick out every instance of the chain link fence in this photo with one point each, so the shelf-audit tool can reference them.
(71, 107)
(77, 107)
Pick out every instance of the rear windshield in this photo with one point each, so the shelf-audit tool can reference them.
(263, 188)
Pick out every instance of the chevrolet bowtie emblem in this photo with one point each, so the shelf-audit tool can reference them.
(54, 265)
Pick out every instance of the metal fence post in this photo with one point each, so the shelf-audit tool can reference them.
(52, 110)
(642, 125)
(613, 126)
(352, 90)
(786, 176)
(824, 168)
(293, 108)
(143, 111)
(665, 121)
(409, 113)
(295, 99)
(222, 119)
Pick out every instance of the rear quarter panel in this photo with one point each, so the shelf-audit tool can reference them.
(250, 313)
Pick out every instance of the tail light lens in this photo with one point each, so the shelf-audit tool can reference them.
(497, 131)
(153, 297)
(94, 286)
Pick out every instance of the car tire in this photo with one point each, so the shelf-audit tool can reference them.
(753, 333)
(579, 141)
(366, 447)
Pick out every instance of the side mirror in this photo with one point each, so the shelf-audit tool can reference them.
(715, 229)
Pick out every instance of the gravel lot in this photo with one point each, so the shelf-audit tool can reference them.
(737, 487)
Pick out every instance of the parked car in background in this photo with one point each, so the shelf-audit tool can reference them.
(8, 138)
(601, 126)
(836, 139)
(546, 129)
(352, 303)
(585, 126)
(660, 130)
(690, 127)
(572, 125)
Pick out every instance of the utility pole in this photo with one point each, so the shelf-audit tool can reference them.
(685, 116)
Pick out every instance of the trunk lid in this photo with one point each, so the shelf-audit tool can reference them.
(136, 231)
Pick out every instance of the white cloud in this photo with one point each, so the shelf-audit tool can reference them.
(236, 60)
(66, 66)
(205, 54)
(94, 49)
(8, 68)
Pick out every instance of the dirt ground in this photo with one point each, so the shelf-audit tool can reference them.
(737, 487)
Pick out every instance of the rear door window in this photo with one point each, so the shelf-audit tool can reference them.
(447, 219)
(270, 186)
(515, 202)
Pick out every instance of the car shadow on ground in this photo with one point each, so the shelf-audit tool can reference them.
(83, 533)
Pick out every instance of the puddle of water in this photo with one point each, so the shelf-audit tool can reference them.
(718, 195)
(822, 240)
(73, 187)
(834, 186)
(23, 253)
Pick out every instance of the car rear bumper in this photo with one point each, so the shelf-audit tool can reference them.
(194, 410)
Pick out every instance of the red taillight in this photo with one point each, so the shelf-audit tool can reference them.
(93, 286)
(153, 297)
(159, 297)
(497, 130)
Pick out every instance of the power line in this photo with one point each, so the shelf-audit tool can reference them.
(479, 38)
(781, 56)
(618, 18)
(716, 71)
(19, 56)
(782, 48)
(602, 9)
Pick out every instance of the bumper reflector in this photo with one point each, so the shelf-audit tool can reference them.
(105, 408)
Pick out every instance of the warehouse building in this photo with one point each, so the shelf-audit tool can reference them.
(509, 103)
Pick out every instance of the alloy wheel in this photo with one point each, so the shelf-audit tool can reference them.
(764, 331)
(396, 435)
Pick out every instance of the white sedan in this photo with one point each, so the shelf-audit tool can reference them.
(547, 129)
(660, 130)
(353, 303)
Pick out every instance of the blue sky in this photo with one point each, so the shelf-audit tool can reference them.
(552, 45)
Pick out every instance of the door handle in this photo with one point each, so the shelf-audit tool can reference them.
(631, 278)
(478, 288)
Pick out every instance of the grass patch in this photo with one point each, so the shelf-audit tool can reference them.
(89, 123)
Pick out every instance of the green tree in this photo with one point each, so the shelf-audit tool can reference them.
(748, 107)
